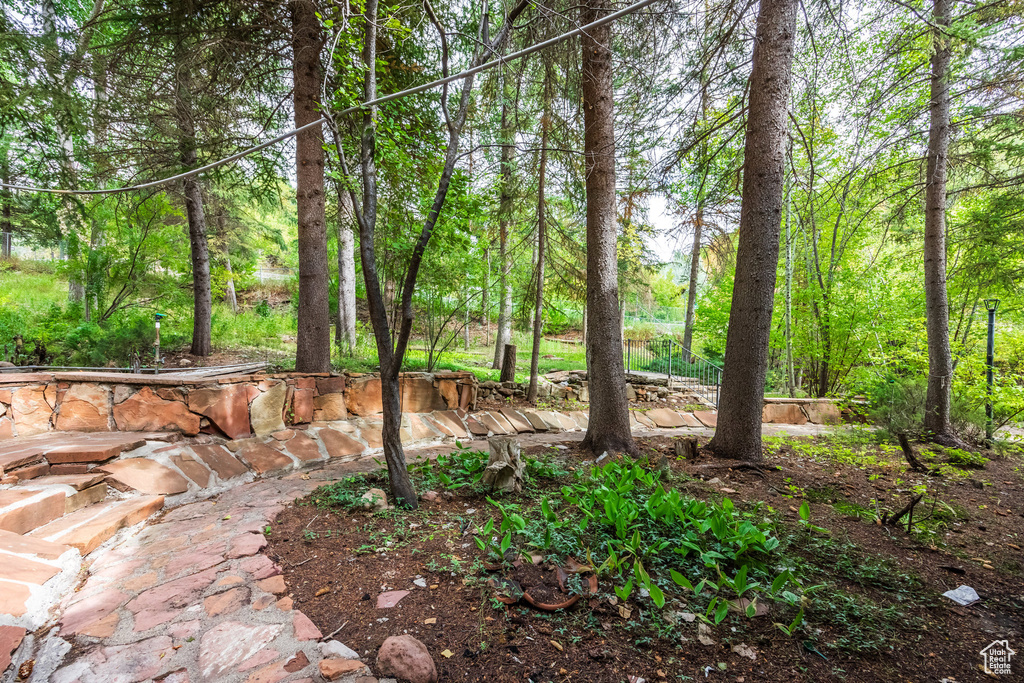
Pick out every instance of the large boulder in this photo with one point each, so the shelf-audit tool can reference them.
(407, 659)
(823, 413)
(227, 406)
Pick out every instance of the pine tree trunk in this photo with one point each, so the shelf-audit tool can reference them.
(538, 303)
(940, 359)
(313, 352)
(746, 350)
(691, 294)
(503, 335)
(345, 333)
(6, 225)
(790, 380)
(202, 298)
(608, 429)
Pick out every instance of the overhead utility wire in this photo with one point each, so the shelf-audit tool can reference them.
(380, 100)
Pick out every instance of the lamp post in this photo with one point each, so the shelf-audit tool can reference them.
(156, 344)
(991, 305)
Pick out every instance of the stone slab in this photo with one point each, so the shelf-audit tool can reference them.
(89, 496)
(535, 420)
(518, 420)
(22, 511)
(89, 527)
(708, 418)
(220, 461)
(448, 422)
(783, 413)
(85, 407)
(303, 447)
(82, 452)
(262, 458)
(193, 469)
(664, 417)
(146, 476)
(146, 411)
(13, 597)
(10, 639)
(690, 421)
(14, 568)
(78, 482)
(15, 456)
(338, 444)
(267, 409)
(492, 424)
(11, 542)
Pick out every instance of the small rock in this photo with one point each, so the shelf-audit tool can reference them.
(430, 496)
(390, 599)
(704, 634)
(375, 500)
(422, 583)
(406, 658)
(337, 650)
(744, 650)
(333, 669)
(714, 481)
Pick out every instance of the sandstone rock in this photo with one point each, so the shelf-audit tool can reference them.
(302, 406)
(87, 528)
(262, 458)
(330, 385)
(146, 476)
(230, 643)
(783, 413)
(305, 629)
(630, 393)
(449, 391)
(31, 410)
(389, 599)
(122, 392)
(663, 417)
(333, 669)
(85, 408)
(227, 407)
(449, 422)
(340, 445)
(329, 408)
(192, 469)
(418, 395)
(419, 429)
(219, 460)
(406, 659)
(334, 648)
(708, 418)
(10, 639)
(6, 428)
(823, 413)
(267, 409)
(303, 448)
(363, 397)
(145, 411)
(22, 511)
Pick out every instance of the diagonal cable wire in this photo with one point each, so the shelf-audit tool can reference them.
(380, 100)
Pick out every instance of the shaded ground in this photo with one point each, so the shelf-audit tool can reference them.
(877, 614)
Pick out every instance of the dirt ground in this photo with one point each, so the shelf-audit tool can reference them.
(876, 615)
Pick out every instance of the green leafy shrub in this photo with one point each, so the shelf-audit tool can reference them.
(966, 459)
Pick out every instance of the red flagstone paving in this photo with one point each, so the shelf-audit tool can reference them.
(146, 476)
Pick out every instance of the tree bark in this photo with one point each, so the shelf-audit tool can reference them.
(202, 298)
(313, 352)
(608, 429)
(538, 303)
(691, 294)
(6, 225)
(940, 359)
(790, 380)
(503, 335)
(345, 333)
(757, 258)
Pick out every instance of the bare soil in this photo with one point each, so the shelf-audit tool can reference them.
(879, 616)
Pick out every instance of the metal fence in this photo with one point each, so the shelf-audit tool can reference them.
(668, 358)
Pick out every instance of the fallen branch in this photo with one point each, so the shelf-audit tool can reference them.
(908, 509)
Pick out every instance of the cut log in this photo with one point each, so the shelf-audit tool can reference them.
(686, 448)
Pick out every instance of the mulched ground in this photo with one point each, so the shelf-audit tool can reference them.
(337, 562)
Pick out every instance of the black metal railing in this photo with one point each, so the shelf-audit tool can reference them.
(683, 369)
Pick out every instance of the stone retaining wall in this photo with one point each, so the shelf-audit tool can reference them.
(233, 407)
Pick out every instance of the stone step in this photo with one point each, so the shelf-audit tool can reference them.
(22, 510)
(87, 528)
(27, 565)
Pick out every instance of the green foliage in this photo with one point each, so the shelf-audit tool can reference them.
(965, 459)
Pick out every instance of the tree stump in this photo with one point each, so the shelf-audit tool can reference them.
(505, 469)
(508, 364)
(687, 448)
